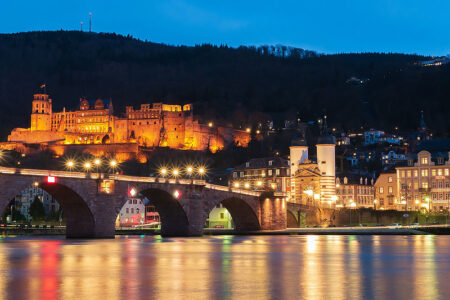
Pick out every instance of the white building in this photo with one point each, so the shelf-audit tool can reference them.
(24, 199)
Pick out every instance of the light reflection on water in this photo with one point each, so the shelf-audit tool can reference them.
(257, 267)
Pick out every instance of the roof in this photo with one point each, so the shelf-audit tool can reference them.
(259, 163)
(326, 139)
(299, 140)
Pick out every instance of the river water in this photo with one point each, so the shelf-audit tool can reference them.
(226, 267)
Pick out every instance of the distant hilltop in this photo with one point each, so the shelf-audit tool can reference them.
(236, 87)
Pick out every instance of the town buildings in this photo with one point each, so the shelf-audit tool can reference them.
(386, 193)
(263, 174)
(152, 125)
(355, 191)
(137, 212)
(24, 199)
(425, 183)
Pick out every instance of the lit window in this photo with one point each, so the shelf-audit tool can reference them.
(390, 190)
(390, 179)
(416, 173)
(439, 172)
(433, 172)
(381, 190)
(425, 185)
(424, 160)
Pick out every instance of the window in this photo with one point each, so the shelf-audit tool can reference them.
(241, 174)
(132, 210)
(433, 172)
(269, 172)
(416, 173)
(403, 174)
(425, 185)
(439, 172)
(424, 160)
(381, 190)
(446, 172)
(390, 190)
(234, 174)
(390, 179)
(247, 164)
(278, 172)
(222, 215)
(424, 173)
(408, 173)
(270, 162)
(127, 210)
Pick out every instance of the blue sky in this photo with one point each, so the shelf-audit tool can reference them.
(407, 26)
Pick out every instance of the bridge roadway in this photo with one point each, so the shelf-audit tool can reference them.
(92, 201)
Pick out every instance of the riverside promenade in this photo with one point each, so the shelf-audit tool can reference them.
(379, 230)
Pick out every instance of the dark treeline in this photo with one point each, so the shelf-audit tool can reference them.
(239, 86)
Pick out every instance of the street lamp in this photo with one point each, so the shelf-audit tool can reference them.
(201, 171)
(163, 172)
(189, 170)
(87, 166)
(175, 172)
(70, 164)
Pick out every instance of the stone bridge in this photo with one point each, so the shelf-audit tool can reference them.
(92, 201)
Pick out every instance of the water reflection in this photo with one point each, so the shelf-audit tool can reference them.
(263, 267)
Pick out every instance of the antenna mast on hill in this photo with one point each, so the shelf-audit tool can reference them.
(81, 25)
(90, 21)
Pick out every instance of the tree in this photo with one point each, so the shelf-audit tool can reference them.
(36, 210)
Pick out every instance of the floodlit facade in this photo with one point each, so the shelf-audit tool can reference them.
(425, 184)
(386, 193)
(313, 183)
(152, 125)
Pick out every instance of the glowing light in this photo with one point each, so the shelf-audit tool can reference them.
(210, 124)
(176, 194)
(248, 130)
(51, 179)
(316, 196)
(417, 201)
(259, 183)
(258, 131)
(273, 185)
(353, 204)
(132, 192)
(36, 183)
(334, 197)
(236, 184)
(247, 185)
(201, 170)
(175, 172)
(189, 170)
(113, 163)
(70, 164)
(163, 171)
(97, 162)
(308, 192)
(87, 165)
(337, 185)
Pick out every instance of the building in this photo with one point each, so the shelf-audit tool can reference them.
(219, 217)
(263, 174)
(392, 158)
(24, 199)
(425, 184)
(373, 136)
(137, 211)
(152, 125)
(386, 193)
(313, 183)
(354, 191)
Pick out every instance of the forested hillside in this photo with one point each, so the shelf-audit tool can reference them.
(240, 86)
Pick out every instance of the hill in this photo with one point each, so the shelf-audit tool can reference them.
(229, 85)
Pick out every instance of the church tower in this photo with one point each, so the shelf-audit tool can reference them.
(41, 113)
(326, 162)
(298, 152)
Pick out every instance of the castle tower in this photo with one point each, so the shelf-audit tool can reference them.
(326, 163)
(41, 113)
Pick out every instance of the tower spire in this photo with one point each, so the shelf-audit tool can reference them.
(90, 21)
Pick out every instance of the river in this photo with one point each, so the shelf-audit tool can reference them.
(226, 267)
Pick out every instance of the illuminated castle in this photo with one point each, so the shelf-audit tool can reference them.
(313, 183)
(153, 125)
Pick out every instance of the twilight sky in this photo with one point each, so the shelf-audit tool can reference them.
(409, 26)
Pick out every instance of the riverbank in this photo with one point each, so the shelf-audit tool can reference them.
(402, 230)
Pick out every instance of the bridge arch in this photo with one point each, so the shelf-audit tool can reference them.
(243, 213)
(80, 221)
(174, 221)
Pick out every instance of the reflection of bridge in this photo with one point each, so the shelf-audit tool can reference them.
(91, 201)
